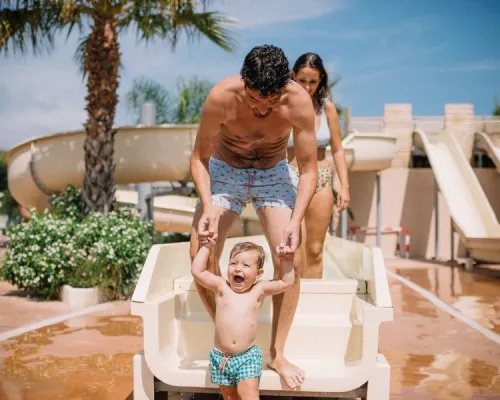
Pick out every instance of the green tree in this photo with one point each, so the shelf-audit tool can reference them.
(331, 86)
(8, 205)
(191, 96)
(33, 24)
(183, 108)
(3, 171)
(496, 108)
(145, 90)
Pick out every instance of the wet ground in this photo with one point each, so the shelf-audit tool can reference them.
(17, 310)
(432, 355)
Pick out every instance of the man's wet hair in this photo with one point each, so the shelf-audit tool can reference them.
(266, 70)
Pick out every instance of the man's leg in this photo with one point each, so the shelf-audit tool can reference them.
(226, 219)
(274, 221)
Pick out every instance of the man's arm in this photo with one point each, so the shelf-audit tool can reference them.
(304, 139)
(212, 117)
(285, 281)
(201, 275)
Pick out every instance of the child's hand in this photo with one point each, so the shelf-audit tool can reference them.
(209, 243)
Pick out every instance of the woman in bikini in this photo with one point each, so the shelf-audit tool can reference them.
(310, 73)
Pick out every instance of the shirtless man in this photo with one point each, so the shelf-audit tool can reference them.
(240, 156)
(236, 359)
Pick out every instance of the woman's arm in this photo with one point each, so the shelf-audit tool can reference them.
(338, 153)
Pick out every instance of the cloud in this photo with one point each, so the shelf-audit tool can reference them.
(486, 65)
(367, 77)
(412, 28)
(257, 13)
(476, 66)
(39, 97)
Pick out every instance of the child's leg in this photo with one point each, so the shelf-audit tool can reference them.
(248, 389)
(229, 392)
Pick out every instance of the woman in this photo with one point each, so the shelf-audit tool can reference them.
(310, 73)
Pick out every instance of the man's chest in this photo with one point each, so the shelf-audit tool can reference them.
(244, 125)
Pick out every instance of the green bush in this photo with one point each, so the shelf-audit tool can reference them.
(110, 251)
(62, 245)
(39, 257)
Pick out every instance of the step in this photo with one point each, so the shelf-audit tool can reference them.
(325, 341)
(323, 300)
(320, 374)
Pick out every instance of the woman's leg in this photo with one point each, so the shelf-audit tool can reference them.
(316, 221)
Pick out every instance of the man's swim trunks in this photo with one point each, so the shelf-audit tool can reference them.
(232, 188)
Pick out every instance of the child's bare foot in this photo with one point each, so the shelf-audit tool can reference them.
(291, 374)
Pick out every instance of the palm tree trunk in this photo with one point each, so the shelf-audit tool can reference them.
(102, 58)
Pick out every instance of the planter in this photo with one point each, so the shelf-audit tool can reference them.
(81, 298)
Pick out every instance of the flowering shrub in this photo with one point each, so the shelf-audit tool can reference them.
(39, 256)
(110, 251)
(61, 245)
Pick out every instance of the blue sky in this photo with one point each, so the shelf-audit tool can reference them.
(424, 52)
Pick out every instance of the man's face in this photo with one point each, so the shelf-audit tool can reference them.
(261, 106)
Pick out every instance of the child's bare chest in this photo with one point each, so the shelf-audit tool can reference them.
(239, 303)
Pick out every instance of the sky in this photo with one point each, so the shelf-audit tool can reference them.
(423, 52)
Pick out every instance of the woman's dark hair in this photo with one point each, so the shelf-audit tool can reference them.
(266, 70)
(313, 60)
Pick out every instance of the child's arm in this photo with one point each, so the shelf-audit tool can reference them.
(199, 270)
(285, 281)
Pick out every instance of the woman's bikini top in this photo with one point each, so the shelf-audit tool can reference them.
(322, 135)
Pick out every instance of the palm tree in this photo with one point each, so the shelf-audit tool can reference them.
(33, 24)
(496, 109)
(331, 86)
(191, 96)
(184, 108)
(146, 90)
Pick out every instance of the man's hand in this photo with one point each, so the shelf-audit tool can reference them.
(209, 243)
(290, 242)
(208, 226)
(343, 199)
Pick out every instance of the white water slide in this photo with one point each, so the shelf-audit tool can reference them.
(47, 164)
(471, 212)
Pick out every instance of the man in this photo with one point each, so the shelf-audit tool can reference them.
(240, 155)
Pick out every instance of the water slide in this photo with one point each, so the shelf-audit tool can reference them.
(490, 144)
(47, 164)
(334, 336)
(471, 212)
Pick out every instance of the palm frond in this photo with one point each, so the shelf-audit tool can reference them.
(166, 19)
(26, 25)
(496, 108)
(210, 24)
(144, 90)
(79, 56)
(334, 83)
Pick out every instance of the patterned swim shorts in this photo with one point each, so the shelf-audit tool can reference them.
(325, 177)
(232, 188)
(229, 369)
